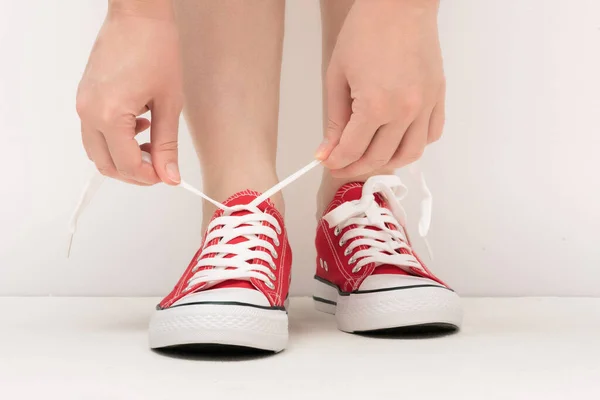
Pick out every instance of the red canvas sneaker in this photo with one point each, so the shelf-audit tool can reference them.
(367, 273)
(234, 292)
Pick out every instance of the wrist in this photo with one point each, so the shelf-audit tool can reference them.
(156, 9)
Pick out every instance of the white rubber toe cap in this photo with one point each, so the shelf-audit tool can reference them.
(241, 295)
(383, 281)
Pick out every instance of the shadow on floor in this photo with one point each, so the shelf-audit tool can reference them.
(213, 352)
(424, 331)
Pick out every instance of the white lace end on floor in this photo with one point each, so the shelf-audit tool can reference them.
(96, 180)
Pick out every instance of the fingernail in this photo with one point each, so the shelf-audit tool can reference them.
(320, 154)
(173, 172)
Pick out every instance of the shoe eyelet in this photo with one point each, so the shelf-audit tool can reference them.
(342, 242)
(278, 230)
(352, 260)
(275, 255)
(347, 251)
(355, 270)
(336, 231)
(276, 241)
(270, 285)
(272, 276)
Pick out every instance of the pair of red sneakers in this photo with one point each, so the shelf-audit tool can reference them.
(235, 290)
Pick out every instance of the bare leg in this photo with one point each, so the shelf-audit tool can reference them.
(232, 61)
(333, 14)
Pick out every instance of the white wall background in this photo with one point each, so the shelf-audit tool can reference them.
(515, 179)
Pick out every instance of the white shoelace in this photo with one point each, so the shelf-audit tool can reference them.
(232, 261)
(382, 244)
(235, 261)
(226, 261)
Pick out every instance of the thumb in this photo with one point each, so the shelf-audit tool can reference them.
(163, 136)
(338, 109)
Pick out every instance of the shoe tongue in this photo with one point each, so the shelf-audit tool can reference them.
(349, 192)
(241, 198)
(353, 191)
(246, 197)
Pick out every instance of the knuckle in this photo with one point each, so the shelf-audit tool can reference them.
(333, 126)
(434, 138)
(126, 172)
(349, 156)
(109, 114)
(127, 168)
(107, 170)
(375, 162)
(436, 134)
(409, 157)
(412, 103)
(82, 104)
(333, 130)
(170, 145)
(374, 103)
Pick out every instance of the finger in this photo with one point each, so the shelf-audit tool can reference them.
(126, 153)
(97, 151)
(143, 110)
(355, 140)
(338, 108)
(141, 124)
(413, 142)
(378, 154)
(147, 147)
(437, 121)
(86, 132)
(163, 134)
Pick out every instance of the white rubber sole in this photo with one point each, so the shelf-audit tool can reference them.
(235, 325)
(372, 311)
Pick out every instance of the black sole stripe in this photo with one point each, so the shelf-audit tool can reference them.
(322, 300)
(226, 303)
(342, 293)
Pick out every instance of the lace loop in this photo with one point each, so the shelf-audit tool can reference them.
(383, 244)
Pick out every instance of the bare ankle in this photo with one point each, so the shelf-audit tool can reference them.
(223, 186)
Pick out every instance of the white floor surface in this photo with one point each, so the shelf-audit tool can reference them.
(96, 348)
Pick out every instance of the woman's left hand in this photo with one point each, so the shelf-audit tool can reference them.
(385, 87)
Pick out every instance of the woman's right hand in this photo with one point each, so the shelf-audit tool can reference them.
(134, 67)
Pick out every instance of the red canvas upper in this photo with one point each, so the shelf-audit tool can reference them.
(276, 296)
(339, 271)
